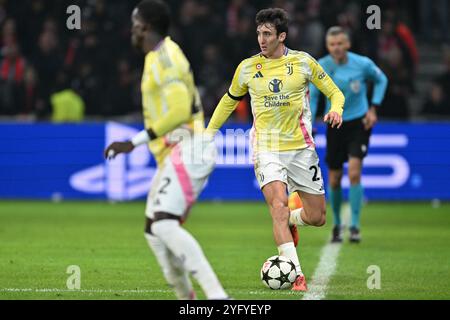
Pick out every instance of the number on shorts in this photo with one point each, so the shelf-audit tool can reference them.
(163, 188)
(315, 177)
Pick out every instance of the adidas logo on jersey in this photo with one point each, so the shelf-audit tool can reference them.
(258, 75)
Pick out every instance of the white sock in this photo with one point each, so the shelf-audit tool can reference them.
(288, 250)
(175, 275)
(188, 252)
(295, 218)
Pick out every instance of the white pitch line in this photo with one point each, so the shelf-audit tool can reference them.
(57, 290)
(326, 268)
(327, 265)
(346, 215)
(136, 291)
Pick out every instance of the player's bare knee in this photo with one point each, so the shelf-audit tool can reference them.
(160, 217)
(321, 221)
(318, 220)
(317, 217)
(165, 216)
(148, 226)
(323, 215)
(278, 205)
(335, 181)
(354, 178)
(335, 184)
(279, 210)
(354, 175)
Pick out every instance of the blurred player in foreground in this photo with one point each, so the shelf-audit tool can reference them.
(174, 125)
(284, 152)
(350, 73)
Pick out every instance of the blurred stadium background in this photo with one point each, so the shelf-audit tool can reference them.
(65, 94)
(41, 57)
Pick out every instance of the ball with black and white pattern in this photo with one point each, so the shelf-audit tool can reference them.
(278, 273)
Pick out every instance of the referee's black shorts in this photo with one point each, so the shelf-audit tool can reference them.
(351, 140)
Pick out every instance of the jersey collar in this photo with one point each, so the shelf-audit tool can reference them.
(159, 45)
(285, 53)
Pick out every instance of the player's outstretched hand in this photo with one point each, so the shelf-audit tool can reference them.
(334, 119)
(116, 148)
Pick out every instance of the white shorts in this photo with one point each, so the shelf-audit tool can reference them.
(182, 177)
(298, 169)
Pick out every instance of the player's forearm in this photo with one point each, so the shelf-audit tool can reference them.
(179, 110)
(337, 100)
(331, 91)
(223, 111)
(336, 97)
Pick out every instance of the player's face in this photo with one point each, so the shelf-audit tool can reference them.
(268, 39)
(137, 30)
(338, 46)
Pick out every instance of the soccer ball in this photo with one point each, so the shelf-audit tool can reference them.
(278, 273)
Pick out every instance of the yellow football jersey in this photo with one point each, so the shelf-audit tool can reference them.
(279, 95)
(170, 98)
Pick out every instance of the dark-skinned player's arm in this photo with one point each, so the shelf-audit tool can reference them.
(179, 111)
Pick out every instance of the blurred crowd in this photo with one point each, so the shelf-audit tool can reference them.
(44, 66)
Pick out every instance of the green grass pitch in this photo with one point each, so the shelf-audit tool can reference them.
(39, 240)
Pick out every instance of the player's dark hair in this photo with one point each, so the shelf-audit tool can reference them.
(157, 14)
(274, 16)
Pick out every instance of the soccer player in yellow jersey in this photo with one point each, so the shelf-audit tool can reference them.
(173, 131)
(284, 153)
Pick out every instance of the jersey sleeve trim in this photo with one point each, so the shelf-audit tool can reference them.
(234, 97)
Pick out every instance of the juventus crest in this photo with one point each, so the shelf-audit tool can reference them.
(290, 68)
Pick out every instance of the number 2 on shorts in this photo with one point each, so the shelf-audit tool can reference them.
(315, 177)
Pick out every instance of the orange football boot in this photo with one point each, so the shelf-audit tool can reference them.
(300, 284)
